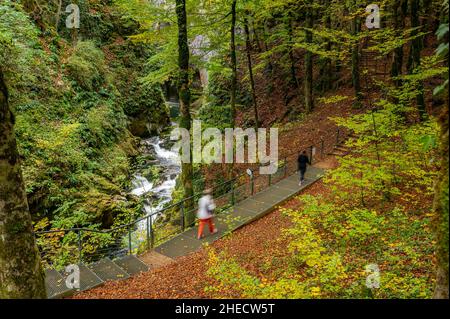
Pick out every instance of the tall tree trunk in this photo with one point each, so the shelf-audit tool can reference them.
(185, 101)
(266, 48)
(398, 13)
(440, 206)
(250, 72)
(356, 79)
(427, 21)
(270, 67)
(233, 92)
(290, 47)
(309, 102)
(21, 274)
(441, 202)
(414, 55)
(256, 37)
(233, 61)
(326, 70)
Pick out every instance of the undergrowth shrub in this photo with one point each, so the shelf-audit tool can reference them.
(86, 65)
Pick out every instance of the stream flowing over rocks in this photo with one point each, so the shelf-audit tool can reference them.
(156, 194)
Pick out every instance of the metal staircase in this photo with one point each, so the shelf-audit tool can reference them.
(93, 275)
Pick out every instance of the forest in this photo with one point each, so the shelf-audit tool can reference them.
(92, 91)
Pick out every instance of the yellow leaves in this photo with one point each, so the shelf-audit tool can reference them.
(64, 133)
(41, 225)
(213, 259)
(311, 262)
(315, 292)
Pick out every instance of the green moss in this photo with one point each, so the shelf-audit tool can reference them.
(86, 65)
(216, 116)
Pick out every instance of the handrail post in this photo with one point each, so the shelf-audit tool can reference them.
(233, 200)
(270, 179)
(148, 233)
(129, 241)
(80, 247)
(322, 147)
(285, 167)
(252, 184)
(182, 217)
(152, 233)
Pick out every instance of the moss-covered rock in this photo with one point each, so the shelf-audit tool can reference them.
(86, 65)
(144, 104)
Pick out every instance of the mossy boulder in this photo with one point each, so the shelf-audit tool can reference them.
(86, 65)
(148, 112)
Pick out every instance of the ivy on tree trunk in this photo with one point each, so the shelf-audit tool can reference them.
(185, 100)
(250, 71)
(21, 274)
(233, 61)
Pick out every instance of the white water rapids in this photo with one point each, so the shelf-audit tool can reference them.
(155, 195)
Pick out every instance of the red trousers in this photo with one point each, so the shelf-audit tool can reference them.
(201, 226)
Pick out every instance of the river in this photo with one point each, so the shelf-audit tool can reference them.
(155, 194)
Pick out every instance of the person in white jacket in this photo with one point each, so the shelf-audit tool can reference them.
(206, 207)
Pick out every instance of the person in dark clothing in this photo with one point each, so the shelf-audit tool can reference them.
(303, 161)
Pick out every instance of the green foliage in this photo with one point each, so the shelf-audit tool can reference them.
(102, 126)
(388, 152)
(239, 282)
(330, 245)
(21, 55)
(333, 99)
(218, 97)
(72, 103)
(18, 37)
(86, 65)
(215, 116)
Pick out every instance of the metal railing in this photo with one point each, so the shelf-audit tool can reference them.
(62, 247)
